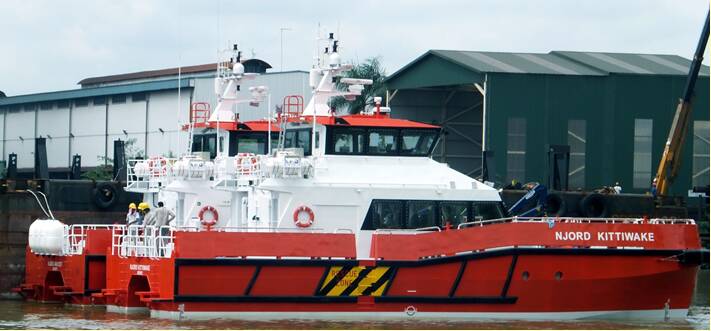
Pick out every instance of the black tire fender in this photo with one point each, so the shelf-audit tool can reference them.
(105, 195)
(594, 205)
(555, 205)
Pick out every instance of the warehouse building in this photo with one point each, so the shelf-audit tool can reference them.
(142, 107)
(613, 110)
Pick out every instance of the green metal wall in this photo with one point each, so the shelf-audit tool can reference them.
(608, 104)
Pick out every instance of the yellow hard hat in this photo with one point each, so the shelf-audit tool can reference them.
(143, 205)
(131, 205)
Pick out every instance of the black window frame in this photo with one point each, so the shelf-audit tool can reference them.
(331, 131)
(81, 102)
(296, 132)
(235, 137)
(139, 97)
(99, 101)
(118, 99)
(439, 222)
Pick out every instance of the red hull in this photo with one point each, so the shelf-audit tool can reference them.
(460, 275)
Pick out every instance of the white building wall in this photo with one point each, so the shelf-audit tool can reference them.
(21, 124)
(89, 130)
(131, 118)
(163, 115)
(53, 124)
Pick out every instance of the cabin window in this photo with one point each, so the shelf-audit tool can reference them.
(454, 213)
(417, 214)
(348, 141)
(205, 143)
(382, 142)
(421, 214)
(386, 214)
(488, 210)
(299, 138)
(417, 142)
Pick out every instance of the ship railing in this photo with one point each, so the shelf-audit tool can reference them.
(554, 220)
(142, 241)
(191, 228)
(75, 237)
(239, 171)
(408, 231)
(148, 175)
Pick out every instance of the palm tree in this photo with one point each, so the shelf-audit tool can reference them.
(369, 69)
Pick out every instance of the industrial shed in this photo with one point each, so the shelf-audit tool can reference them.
(614, 111)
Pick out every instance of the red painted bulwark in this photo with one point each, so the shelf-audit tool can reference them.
(97, 241)
(214, 280)
(433, 280)
(287, 281)
(413, 247)
(236, 244)
(484, 277)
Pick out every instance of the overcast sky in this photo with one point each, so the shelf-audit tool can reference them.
(51, 45)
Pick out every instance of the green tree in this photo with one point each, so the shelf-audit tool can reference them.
(369, 69)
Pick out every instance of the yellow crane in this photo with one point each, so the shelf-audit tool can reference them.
(671, 158)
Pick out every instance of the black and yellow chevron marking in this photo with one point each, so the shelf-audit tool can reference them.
(355, 281)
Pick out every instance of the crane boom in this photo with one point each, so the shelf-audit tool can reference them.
(671, 158)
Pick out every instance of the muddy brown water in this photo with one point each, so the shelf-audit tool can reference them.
(29, 315)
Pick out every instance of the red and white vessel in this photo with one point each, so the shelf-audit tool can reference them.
(348, 217)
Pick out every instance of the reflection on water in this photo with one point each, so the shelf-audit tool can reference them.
(27, 315)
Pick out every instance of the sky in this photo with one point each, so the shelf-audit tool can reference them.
(52, 45)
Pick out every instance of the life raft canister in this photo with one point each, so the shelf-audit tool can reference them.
(299, 219)
(208, 222)
(246, 163)
(157, 166)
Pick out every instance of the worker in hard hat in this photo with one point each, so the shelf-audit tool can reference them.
(143, 210)
(132, 214)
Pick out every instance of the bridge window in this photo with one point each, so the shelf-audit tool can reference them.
(386, 214)
(390, 141)
(417, 142)
(421, 214)
(348, 141)
(382, 142)
(205, 143)
(417, 214)
(454, 213)
(298, 138)
(488, 210)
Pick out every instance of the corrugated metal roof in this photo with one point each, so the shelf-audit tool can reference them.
(167, 72)
(565, 63)
(97, 91)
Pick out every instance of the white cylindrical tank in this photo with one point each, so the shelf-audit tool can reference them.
(47, 237)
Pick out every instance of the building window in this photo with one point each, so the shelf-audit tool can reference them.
(81, 102)
(30, 106)
(516, 150)
(642, 163)
(46, 105)
(700, 163)
(99, 101)
(63, 104)
(121, 98)
(138, 97)
(577, 142)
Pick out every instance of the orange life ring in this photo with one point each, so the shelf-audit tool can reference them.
(211, 209)
(307, 222)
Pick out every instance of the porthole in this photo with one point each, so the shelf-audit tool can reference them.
(525, 275)
(558, 275)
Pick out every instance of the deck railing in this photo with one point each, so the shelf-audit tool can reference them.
(75, 237)
(142, 241)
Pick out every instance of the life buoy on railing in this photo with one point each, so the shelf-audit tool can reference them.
(303, 217)
(245, 163)
(208, 222)
(157, 166)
